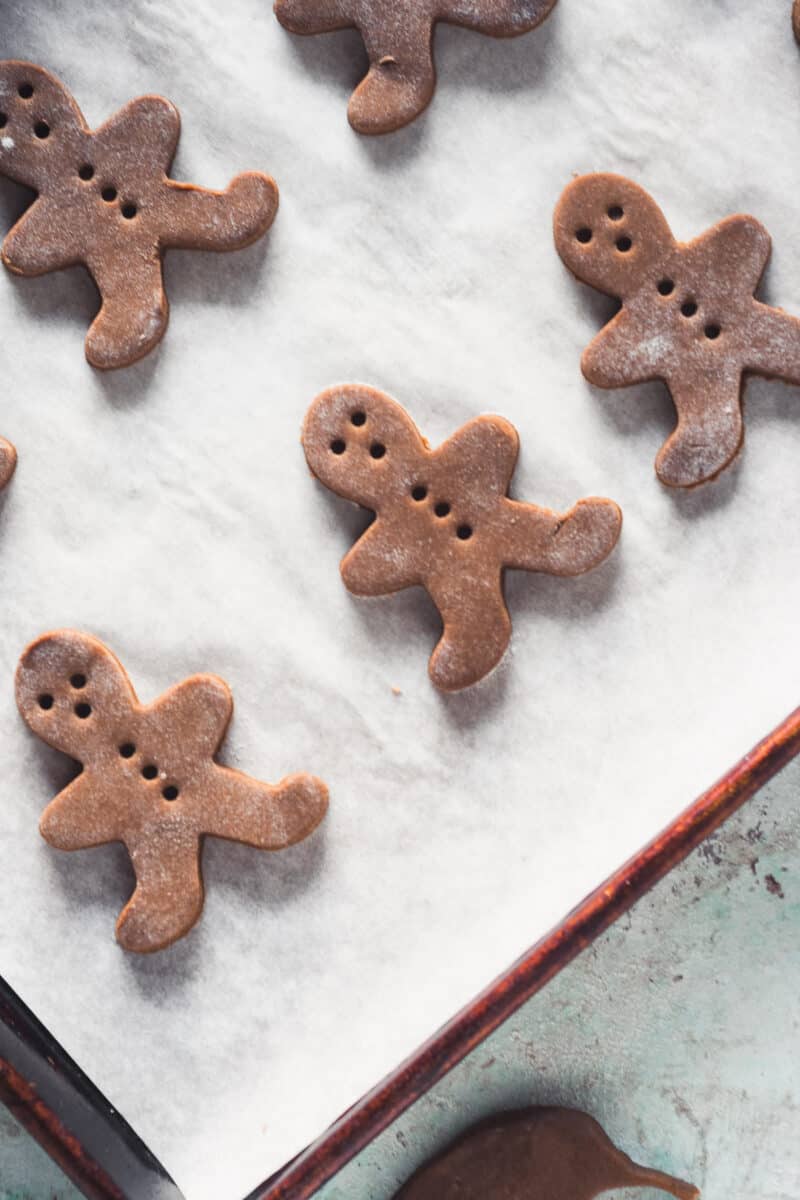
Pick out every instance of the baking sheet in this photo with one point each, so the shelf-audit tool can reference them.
(168, 509)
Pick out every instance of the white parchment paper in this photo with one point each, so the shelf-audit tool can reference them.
(168, 509)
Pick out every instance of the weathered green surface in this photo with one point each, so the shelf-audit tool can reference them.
(679, 1029)
(26, 1172)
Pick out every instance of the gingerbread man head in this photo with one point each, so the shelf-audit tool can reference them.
(444, 520)
(150, 779)
(104, 199)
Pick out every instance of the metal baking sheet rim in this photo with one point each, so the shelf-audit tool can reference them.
(356, 1128)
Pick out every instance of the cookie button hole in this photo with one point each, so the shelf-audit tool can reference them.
(41, 129)
(109, 194)
(25, 90)
(377, 449)
(129, 211)
(359, 418)
(150, 771)
(3, 120)
(442, 509)
(338, 447)
(712, 332)
(616, 212)
(170, 792)
(464, 532)
(624, 244)
(666, 287)
(127, 750)
(419, 492)
(584, 235)
(86, 172)
(688, 308)
(83, 710)
(45, 701)
(77, 681)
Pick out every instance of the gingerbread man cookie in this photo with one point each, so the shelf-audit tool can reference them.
(689, 315)
(149, 779)
(104, 199)
(444, 520)
(536, 1154)
(398, 35)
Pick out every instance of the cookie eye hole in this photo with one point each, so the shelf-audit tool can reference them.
(170, 792)
(666, 287)
(109, 194)
(616, 213)
(129, 211)
(584, 235)
(150, 771)
(688, 308)
(3, 120)
(338, 447)
(42, 129)
(377, 449)
(127, 750)
(83, 710)
(419, 492)
(45, 701)
(359, 418)
(624, 244)
(442, 509)
(712, 332)
(77, 681)
(25, 90)
(86, 172)
(464, 532)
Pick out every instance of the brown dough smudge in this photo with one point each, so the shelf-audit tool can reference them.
(104, 200)
(535, 1154)
(149, 779)
(444, 520)
(689, 316)
(398, 36)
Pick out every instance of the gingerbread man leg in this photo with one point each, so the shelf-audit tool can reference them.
(401, 78)
(563, 545)
(201, 219)
(477, 630)
(155, 916)
(133, 314)
(269, 817)
(708, 434)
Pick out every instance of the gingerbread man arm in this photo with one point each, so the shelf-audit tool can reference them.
(134, 310)
(486, 448)
(499, 18)
(150, 121)
(624, 352)
(737, 247)
(774, 349)
(380, 563)
(708, 434)
(41, 241)
(476, 633)
(72, 692)
(195, 715)
(314, 16)
(569, 544)
(362, 445)
(81, 816)
(156, 915)
(201, 219)
(267, 816)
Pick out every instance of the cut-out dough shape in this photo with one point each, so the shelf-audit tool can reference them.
(398, 35)
(104, 199)
(689, 316)
(444, 520)
(535, 1154)
(149, 779)
(8, 462)
(796, 19)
